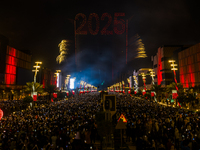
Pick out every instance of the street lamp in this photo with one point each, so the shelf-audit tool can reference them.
(36, 70)
(67, 81)
(152, 75)
(144, 80)
(136, 83)
(129, 83)
(57, 77)
(173, 65)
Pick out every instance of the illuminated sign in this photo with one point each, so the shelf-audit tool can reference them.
(1, 114)
(123, 118)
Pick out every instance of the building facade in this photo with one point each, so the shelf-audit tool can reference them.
(15, 65)
(189, 66)
(48, 77)
(143, 78)
(162, 67)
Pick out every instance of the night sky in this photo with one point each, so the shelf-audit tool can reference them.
(39, 26)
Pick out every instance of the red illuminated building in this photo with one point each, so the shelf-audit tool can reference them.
(48, 77)
(15, 65)
(189, 66)
(161, 65)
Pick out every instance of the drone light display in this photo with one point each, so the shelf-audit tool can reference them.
(63, 51)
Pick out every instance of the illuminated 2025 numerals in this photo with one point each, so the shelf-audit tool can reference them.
(119, 24)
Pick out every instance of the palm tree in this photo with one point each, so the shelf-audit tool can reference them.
(50, 89)
(172, 86)
(29, 87)
(158, 90)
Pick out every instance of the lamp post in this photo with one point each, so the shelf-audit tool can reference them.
(129, 83)
(152, 76)
(136, 83)
(57, 78)
(123, 87)
(144, 80)
(36, 70)
(173, 68)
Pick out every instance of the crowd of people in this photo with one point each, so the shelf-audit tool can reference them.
(153, 126)
(58, 125)
(71, 124)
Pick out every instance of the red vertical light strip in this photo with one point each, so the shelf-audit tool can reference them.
(144, 84)
(159, 72)
(75, 41)
(126, 39)
(43, 83)
(175, 80)
(10, 77)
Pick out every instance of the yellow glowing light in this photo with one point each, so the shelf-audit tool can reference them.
(63, 51)
(141, 53)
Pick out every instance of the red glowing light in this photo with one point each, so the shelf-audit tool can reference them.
(1, 114)
(11, 62)
(126, 39)
(79, 29)
(104, 31)
(159, 72)
(152, 94)
(90, 23)
(34, 97)
(54, 95)
(119, 24)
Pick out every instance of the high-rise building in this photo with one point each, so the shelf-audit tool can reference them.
(189, 66)
(15, 67)
(161, 65)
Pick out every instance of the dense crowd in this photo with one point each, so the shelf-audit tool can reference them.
(60, 125)
(71, 125)
(153, 126)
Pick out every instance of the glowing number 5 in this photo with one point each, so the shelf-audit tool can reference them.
(119, 24)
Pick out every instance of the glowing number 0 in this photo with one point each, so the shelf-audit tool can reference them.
(118, 23)
(90, 23)
(78, 31)
(104, 31)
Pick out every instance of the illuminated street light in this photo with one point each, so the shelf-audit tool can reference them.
(173, 65)
(152, 75)
(144, 80)
(129, 85)
(36, 70)
(57, 77)
(135, 83)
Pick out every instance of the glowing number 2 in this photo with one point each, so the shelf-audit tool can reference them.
(78, 31)
(104, 31)
(90, 23)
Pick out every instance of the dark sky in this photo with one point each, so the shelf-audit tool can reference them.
(40, 25)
